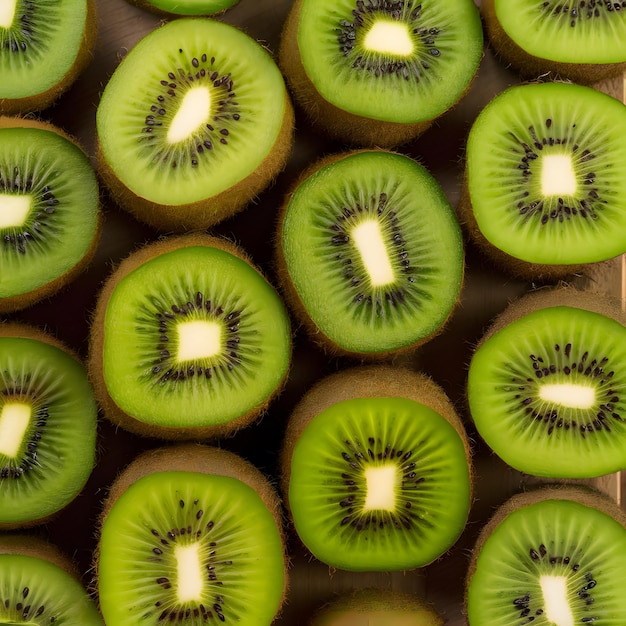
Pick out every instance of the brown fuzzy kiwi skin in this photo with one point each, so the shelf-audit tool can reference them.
(293, 299)
(41, 101)
(204, 459)
(366, 381)
(95, 364)
(207, 212)
(530, 66)
(24, 300)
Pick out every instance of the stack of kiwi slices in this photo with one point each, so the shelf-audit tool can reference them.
(44, 46)
(378, 72)
(544, 180)
(583, 40)
(189, 340)
(50, 219)
(376, 470)
(546, 384)
(47, 426)
(552, 557)
(370, 253)
(191, 534)
(193, 124)
(185, 7)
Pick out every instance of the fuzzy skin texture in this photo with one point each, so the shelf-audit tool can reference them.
(96, 344)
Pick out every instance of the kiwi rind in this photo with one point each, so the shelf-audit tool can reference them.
(160, 8)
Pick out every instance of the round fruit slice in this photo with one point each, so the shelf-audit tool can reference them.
(44, 46)
(47, 426)
(547, 390)
(186, 7)
(545, 175)
(378, 72)
(193, 124)
(553, 557)
(376, 470)
(191, 534)
(189, 340)
(49, 211)
(371, 253)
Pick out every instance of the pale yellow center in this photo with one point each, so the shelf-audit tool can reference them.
(14, 420)
(371, 247)
(557, 609)
(14, 208)
(389, 37)
(381, 483)
(189, 574)
(569, 395)
(192, 113)
(7, 12)
(198, 340)
(557, 175)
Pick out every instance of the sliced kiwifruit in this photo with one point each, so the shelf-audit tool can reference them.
(378, 72)
(44, 46)
(189, 340)
(40, 585)
(553, 557)
(546, 386)
(583, 40)
(545, 172)
(191, 534)
(50, 219)
(186, 7)
(195, 122)
(376, 470)
(370, 253)
(47, 426)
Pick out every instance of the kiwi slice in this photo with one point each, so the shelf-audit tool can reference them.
(39, 585)
(194, 122)
(47, 426)
(50, 219)
(191, 534)
(44, 46)
(370, 253)
(186, 7)
(583, 40)
(376, 470)
(545, 171)
(545, 385)
(378, 72)
(189, 340)
(552, 557)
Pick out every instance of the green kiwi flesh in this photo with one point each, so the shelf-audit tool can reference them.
(546, 390)
(205, 127)
(545, 171)
(191, 534)
(47, 426)
(553, 557)
(189, 340)
(44, 46)
(38, 586)
(376, 480)
(371, 253)
(186, 7)
(49, 211)
(581, 40)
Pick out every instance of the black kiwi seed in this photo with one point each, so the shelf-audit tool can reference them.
(18, 38)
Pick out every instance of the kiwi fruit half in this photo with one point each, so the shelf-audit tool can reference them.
(378, 72)
(47, 426)
(50, 219)
(376, 470)
(191, 534)
(370, 253)
(44, 46)
(194, 123)
(552, 557)
(583, 40)
(186, 7)
(545, 171)
(546, 385)
(39, 586)
(188, 340)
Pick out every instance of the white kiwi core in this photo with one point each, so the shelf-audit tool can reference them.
(192, 113)
(14, 420)
(389, 37)
(381, 484)
(190, 575)
(557, 609)
(558, 177)
(569, 395)
(7, 12)
(371, 247)
(198, 340)
(14, 208)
